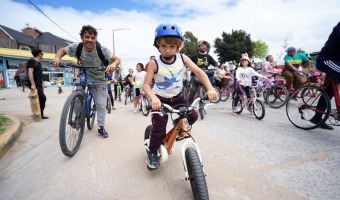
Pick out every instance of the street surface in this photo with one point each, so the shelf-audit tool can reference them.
(244, 158)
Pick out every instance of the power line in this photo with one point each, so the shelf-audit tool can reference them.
(51, 20)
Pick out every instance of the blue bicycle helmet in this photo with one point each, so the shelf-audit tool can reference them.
(167, 30)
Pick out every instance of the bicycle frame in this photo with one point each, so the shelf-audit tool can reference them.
(86, 93)
(331, 80)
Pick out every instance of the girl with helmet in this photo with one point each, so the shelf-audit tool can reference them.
(168, 71)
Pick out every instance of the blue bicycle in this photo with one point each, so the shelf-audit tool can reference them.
(80, 105)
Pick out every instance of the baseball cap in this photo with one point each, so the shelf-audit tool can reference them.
(201, 42)
(291, 49)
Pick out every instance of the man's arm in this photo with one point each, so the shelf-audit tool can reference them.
(110, 68)
(60, 53)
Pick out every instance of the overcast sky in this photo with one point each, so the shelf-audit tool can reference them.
(306, 24)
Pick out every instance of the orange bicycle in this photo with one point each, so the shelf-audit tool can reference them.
(300, 111)
(191, 156)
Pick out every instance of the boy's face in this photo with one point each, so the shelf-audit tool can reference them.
(167, 49)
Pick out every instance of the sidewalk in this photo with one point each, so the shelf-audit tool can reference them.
(7, 139)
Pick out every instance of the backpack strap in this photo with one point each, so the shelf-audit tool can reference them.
(78, 51)
(101, 55)
(99, 52)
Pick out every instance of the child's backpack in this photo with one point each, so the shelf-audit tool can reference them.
(99, 52)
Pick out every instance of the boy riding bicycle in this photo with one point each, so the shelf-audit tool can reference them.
(168, 71)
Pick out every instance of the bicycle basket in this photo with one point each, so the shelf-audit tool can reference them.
(225, 81)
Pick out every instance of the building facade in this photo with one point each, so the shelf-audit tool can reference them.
(16, 46)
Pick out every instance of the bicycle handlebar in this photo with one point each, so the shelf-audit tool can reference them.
(182, 110)
(67, 65)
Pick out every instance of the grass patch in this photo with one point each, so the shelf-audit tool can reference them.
(4, 123)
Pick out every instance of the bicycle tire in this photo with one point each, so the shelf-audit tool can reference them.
(126, 96)
(307, 93)
(239, 107)
(258, 109)
(147, 134)
(277, 96)
(225, 93)
(196, 174)
(301, 110)
(218, 95)
(71, 129)
(91, 113)
(108, 105)
(145, 102)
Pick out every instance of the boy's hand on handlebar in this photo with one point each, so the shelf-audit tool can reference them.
(211, 94)
(155, 103)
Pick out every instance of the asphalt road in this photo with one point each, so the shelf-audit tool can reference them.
(244, 158)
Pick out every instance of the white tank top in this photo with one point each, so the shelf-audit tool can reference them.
(169, 77)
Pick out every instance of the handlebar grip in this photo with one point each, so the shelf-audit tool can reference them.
(148, 107)
(205, 97)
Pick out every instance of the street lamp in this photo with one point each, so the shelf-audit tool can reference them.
(113, 37)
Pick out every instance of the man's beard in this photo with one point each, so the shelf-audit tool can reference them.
(201, 51)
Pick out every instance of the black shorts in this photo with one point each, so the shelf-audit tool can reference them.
(137, 92)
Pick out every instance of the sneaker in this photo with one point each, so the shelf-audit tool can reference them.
(152, 161)
(134, 111)
(323, 125)
(234, 111)
(102, 132)
(250, 109)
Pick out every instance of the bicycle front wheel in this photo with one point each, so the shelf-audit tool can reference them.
(277, 96)
(225, 92)
(71, 127)
(145, 102)
(196, 174)
(258, 109)
(300, 111)
(108, 104)
(126, 96)
(91, 113)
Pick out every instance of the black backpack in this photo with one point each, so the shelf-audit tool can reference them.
(99, 52)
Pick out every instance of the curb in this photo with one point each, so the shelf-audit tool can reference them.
(7, 139)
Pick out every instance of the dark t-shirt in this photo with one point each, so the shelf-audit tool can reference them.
(331, 49)
(37, 71)
(203, 61)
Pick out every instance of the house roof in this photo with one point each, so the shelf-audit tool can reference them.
(19, 36)
(43, 38)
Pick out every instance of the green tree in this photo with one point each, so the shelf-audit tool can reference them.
(231, 46)
(260, 49)
(189, 47)
(301, 51)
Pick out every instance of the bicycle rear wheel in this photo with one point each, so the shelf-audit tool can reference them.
(300, 111)
(277, 96)
(90, 113)
(71, 127)
(145, 102)
(258, 109)
(196, 174)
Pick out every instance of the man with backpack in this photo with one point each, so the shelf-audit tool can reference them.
(90, 53)
(35, 78)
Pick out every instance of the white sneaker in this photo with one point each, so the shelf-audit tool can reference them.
(134, 111)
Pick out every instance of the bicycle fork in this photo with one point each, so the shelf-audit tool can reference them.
(190, 142)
